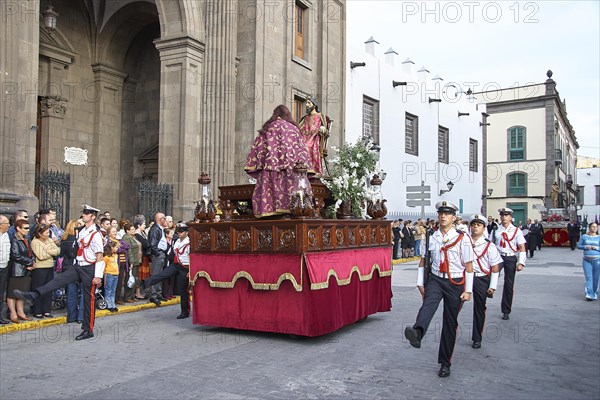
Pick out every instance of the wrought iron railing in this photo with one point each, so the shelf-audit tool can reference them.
(154, 197)
(55, 193)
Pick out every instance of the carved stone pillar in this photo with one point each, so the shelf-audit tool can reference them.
(19, 30)
(179, 128)
(104, 167)
(52, 113)
(217, 145)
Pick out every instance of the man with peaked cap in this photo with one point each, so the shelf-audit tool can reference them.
(180, 268)
(511, 245)
(486, 268)
(89, 270)
(451, 280)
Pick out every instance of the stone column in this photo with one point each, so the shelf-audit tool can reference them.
(104, 157)
(19, 43)
(52, 112)
(179, 128)
(217, 143)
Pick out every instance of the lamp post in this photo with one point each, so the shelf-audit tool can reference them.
(205, 207)
(376, 208)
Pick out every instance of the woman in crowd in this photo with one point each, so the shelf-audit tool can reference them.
(45, 250)
(139, 224)
(22, 262)
(135, 257)
(68, 253)
(590, 244)
(169, 283)
(123, 263)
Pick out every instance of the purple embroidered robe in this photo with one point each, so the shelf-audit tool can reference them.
(271, 162)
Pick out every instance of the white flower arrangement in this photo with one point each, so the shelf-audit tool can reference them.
(352, 168)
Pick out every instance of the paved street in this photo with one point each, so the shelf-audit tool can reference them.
(549, 349)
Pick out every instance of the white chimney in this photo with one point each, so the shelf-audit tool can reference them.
(423, 73)
(390, 56)
(407, 66)
(370, 46)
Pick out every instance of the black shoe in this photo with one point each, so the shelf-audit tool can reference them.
(85, 335)
(161, 298)
(113, 309)
(505, 316)
(414, 336)
(4, 322)
(476, 345)
(155, 301)
(48, 315)
(183, 316)
(27, 297)
(444, 371)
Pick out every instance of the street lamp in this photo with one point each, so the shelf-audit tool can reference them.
(50, 18)
(450, 185)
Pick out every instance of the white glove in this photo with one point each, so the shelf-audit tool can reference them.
(420, 276)
(494, 280)
(521, 257)
(469, 282)
(99, 269)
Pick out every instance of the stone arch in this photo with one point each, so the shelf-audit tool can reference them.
(180, 18)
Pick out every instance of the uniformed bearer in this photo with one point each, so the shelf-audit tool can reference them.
(486, 268)
(451, 280)
(89, 270)
(510, 242)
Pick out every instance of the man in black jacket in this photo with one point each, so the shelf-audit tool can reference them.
(158, 247)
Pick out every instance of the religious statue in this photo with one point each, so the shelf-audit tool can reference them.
(313, 127)
(274, 153)
(554, 194)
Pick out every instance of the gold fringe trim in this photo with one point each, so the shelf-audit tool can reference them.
(343, 282)
(243, 274)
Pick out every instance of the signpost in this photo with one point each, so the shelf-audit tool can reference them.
(418, 196)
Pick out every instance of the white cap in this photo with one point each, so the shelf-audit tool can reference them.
(87, 209)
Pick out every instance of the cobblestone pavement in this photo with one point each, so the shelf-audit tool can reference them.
(549, 349)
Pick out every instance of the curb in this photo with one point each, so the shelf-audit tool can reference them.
(405, 260)
(23, 326)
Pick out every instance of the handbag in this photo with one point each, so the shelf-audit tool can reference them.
(58, 267)
(131, 280)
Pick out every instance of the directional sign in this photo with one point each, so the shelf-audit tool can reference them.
(417, 203)
(418, 189)
(418, 196)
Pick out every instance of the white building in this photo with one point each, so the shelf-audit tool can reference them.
(427, 128)
(588, 180)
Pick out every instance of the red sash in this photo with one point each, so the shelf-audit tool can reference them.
(83, 246)
(479, 256)
(444, 266)
(180, 252)
(506, 241)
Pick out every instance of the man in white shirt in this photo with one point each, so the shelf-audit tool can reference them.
(4, 259)
(180, 267)
(486, 268)
(511, 245)
(451, 280)
(88, 270)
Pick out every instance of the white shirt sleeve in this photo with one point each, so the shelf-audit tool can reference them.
(494, 257)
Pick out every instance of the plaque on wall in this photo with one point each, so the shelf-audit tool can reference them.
(76, 156)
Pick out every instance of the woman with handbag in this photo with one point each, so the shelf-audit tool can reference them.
(144, 270)
(135, 256)
(45, 250)
(22, 262)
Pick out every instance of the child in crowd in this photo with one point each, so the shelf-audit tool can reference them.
(111, 274)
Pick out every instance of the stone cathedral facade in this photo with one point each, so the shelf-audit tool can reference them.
(156, 89)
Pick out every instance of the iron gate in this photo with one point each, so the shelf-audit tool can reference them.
(154, 197)
(55, 192)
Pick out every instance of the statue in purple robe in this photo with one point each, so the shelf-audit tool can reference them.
(271, 161)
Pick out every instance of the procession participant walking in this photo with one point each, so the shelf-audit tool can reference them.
(180, 268)
(451, 280)
(88, 270)
(511, 244)
(486, 268)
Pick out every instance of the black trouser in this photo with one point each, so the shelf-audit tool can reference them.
(573, 242)
(85, 275)
(510, 269)
(395, 250)
(181, 272)
(436, 289)
(4, 274)
(480, 287)
(39, 277)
